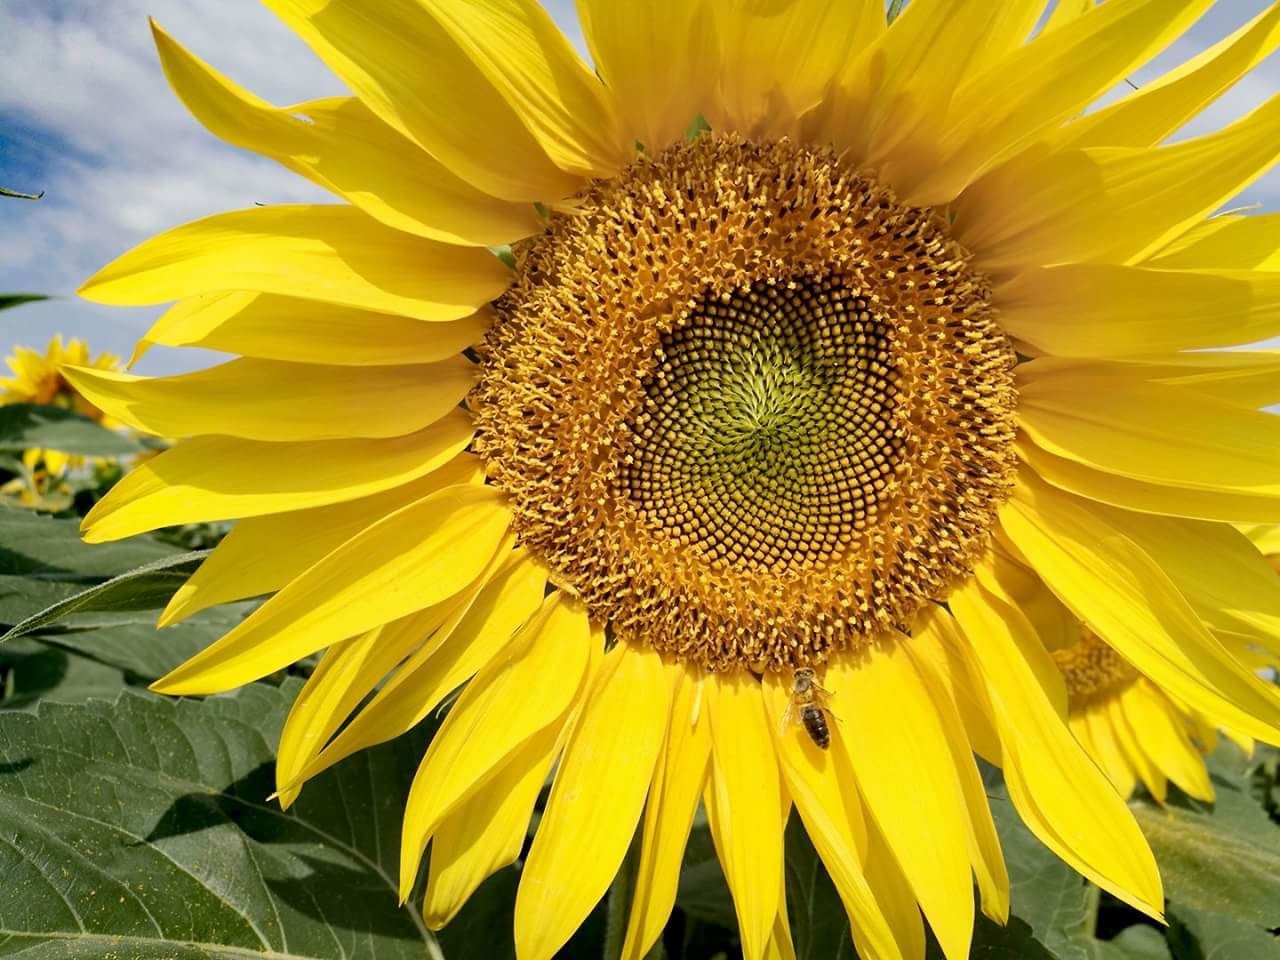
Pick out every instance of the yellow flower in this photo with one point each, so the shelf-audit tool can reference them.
(1134, 730)
(734, 408)
(37, 378)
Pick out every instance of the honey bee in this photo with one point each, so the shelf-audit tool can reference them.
(809, 706)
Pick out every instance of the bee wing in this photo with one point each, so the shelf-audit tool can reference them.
(788, 716)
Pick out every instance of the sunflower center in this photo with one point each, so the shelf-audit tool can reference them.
(1091, 668)
(765, 435)
(747, 406)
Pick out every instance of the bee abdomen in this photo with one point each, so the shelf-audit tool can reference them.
(815, 724)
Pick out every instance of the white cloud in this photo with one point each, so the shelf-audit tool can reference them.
(85, 114)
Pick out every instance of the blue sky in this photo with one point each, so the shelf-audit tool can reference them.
(86, 116)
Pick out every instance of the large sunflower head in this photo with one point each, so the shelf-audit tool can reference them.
(740, 421)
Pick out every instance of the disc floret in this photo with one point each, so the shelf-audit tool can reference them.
(748, 406)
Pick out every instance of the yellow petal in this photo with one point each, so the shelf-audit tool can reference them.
(343, 146)
(1105, 310)
(898, 92)
(744, 801)
(780, 945)
(1065, 11)
(1059, 73)
(306, 331)
(778, 58)
(271, 400)
(518, 48)
(511, 700)
(1246, 378)
(984, 845)
(659, 60)
(409, 560)
(334, 254)
(1107, 752)
(474, 631)
(1163, 735)
(262, 554)
(1148, 431)
(1229, 242)
(1062, 796)
(488, 831)
(405, 67)
(349, 671)
(678, 781)
(823, 786)
(1222, 575)
(908, 776)
(894, 895)
(1266, 537)
(935, 636)
(595, 801)
(1110, 204)
(1120, 593)
(1155, 781)
(345, 675)
(1086, 481)
(219, 478)
(1147, 116)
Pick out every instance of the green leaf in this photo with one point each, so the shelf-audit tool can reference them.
(51, 549)
(484, 926)
(134, 645)
(31, 671)
(819, 925)
(8, 300)
(20, 597)
(1138, 942)
(140, 830)
(1200, 935)
(148, 587)
(26, 426)
(1050, 897)
(1224, 859)
(703, 892)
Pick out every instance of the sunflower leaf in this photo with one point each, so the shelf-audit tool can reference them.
(141, 829)
(31, 671)
(132, 643)
(147, 587)
(1198, 934)
(1222, 859)
(26, 426)
(8, 300)
(50, 548)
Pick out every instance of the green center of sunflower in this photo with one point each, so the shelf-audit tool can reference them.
(747, 406)
(765, 436)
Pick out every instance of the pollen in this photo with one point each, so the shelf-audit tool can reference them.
(747, 406)
(1092, 668)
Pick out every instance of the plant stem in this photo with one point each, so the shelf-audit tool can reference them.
(619, 906)
(1093, 899)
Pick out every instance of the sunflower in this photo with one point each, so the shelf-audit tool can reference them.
(699, 416)
(38, 378)
(1136, 731)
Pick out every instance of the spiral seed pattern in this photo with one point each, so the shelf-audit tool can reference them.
(766, 437)
(747, 406)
